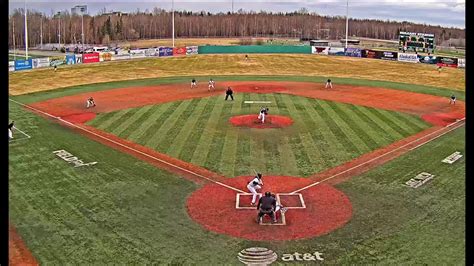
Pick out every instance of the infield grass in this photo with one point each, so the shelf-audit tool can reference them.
(324, 134)
(125, 211)
(214, 65)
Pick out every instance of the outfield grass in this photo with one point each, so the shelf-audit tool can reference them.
(124, 211)
(213, 65)
(325, 133)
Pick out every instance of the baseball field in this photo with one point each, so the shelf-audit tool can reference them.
(156, 173)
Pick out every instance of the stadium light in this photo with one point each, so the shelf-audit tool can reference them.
(172, 23)
(347, 21)
(26, 33)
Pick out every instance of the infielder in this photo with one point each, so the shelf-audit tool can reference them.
(328, 84)
(452, 100)
(10, 127)
(262, 114)
(254, 185)
(90, 102)
(211, 85)
(193, 83)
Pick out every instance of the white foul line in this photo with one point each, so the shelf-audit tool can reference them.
(127, 147)
(366, 162)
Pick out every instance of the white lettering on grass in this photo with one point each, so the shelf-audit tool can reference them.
(68, 157)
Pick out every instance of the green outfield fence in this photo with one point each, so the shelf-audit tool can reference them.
(254, 49)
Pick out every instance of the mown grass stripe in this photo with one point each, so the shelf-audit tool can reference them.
(99, 119)
(356, 125)
(288, 158)
(272, 157)
(227, 161)
(310, 150)
(189, 148)
(375, 129)
(378, 120)
(415, 124)
(165, 145)
(181, 138)
(391, 121)
(153, 122)
(321, 134)
(346, 128)
(341, 137)
(129, 112)
(216, 146)
(202, 146)
(141, 122)
(110, 119)
(131, 120)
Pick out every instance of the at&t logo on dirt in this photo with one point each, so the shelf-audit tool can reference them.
(265, 256)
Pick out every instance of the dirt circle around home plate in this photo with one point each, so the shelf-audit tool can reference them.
(326, 209)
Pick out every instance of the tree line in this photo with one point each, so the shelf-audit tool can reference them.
(106, 28)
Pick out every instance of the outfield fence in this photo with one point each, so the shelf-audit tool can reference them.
(97, 57)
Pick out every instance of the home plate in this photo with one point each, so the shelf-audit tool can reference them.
(257, 102)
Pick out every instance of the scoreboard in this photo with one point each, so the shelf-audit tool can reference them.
(417, 42)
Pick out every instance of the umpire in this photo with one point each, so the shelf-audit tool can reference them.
(228, 93)
(266, 205)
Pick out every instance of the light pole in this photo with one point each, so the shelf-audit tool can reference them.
(172, 15)
(14, 46)
(347, 20)
(82, 29)
(41, 31)
(59, 33)
(26, 33)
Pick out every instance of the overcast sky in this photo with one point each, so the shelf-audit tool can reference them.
(450, 13)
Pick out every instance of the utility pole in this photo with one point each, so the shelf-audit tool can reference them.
(172, 10)
(232, 6)
(347, 21)
(26, 33)
(59, 35)
(14, 37)
(41, 32)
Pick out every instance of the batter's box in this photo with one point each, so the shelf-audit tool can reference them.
(244, 200)
(291, 200)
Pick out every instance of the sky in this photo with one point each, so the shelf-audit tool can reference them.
(448, 13)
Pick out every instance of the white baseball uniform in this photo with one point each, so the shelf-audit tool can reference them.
(252, 186)
(211, 84)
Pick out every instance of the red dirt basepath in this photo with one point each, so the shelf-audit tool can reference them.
(18, 253)
(327, 209)
(271, 121)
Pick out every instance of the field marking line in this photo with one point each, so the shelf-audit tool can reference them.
(28, 136)
(384, 154)
(130, 148)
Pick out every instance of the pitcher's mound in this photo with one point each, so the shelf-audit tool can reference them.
(271, 121)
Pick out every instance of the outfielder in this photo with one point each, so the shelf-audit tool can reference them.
(211, 85)
(254, 185)
(262, 114)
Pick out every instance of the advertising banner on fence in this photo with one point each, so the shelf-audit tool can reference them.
(23, 64)
(11, 65)
(336, 51)
(57, 60)
(70, 59)
(429, 59)
(447, 62)
(461, 62)
(191, 50)
(320, 50)
(151, 52)
(41, 62)
(90, 58)
(411, 58)
(371, 54)
(389, 55)
(353, 52)
(78, 58)
(137, 53)
(166, 51)
(120, 57)
(179, 51)
(105, 56)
